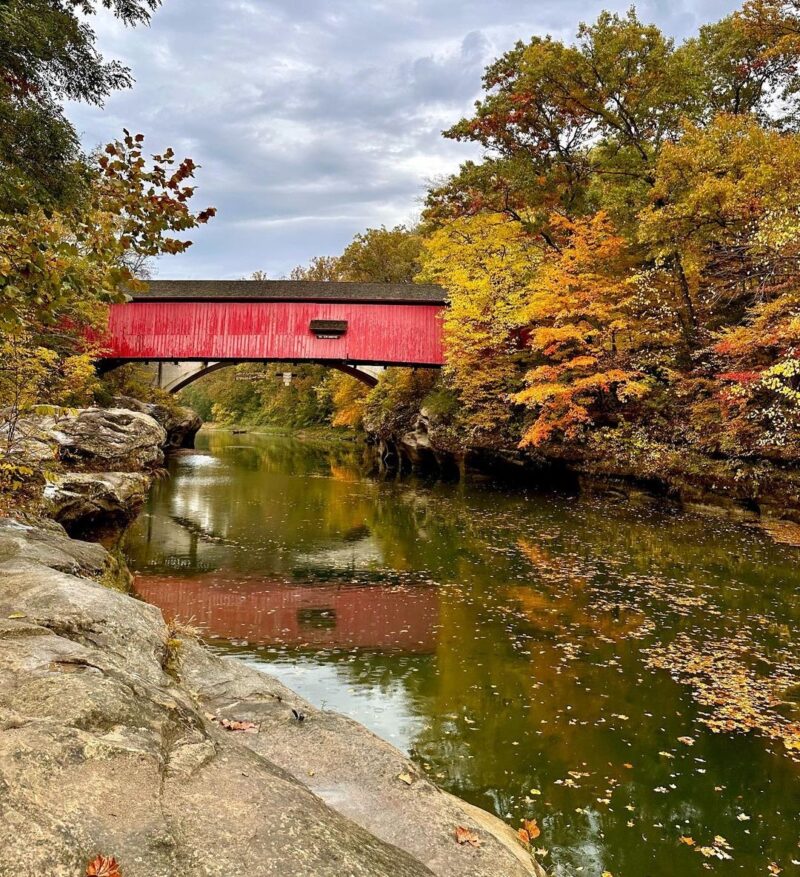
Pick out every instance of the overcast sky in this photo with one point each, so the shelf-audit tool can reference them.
(316, 119)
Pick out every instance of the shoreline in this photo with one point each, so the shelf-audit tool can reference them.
(415, 453)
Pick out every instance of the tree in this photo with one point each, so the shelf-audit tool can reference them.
(320, 268)
(582, 340)
(47, 55)
(486, 263)
(58, 269)
(381, 255)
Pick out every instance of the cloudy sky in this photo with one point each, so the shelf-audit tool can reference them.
(316, 119)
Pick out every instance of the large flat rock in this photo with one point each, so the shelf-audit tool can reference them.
(356, 772)
(111, 742)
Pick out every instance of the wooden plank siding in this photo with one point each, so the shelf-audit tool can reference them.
(384, 333)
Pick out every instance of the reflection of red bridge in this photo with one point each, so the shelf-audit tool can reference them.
(378, 617)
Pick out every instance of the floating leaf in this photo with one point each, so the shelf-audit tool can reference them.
(532, 828)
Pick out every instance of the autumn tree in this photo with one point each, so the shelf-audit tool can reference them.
(381, 255)
(582, 341)
(48, 55)
(485, 263)
(59, 269)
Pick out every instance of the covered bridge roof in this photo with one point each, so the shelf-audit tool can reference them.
(290, 290)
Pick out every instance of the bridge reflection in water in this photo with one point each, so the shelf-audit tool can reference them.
(315, 615)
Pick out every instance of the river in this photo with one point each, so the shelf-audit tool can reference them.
(627, 675)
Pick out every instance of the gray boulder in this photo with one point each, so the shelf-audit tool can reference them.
(83, 499)
(109, 440)
(48, 544)
(181, 424)
(94, 439)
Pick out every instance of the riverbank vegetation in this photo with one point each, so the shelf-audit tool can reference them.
(75, 229)
(622, 264)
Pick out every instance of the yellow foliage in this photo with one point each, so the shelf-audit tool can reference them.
(486, 263)
(348, 396)
(578, 314)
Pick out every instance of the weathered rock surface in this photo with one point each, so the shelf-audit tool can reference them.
(110, 440)
(180, 424)
(355, 772)
(84, 499)
(106, 746)
(47, 543)
(95, 439)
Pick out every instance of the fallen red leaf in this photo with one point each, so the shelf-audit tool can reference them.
(103, 866)
(235, 725)
(531, 828)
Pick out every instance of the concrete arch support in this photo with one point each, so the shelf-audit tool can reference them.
(174, 376)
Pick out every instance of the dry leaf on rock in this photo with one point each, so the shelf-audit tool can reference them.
(465, 836)
(103, 866)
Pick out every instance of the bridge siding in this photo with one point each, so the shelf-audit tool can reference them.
(377, 333)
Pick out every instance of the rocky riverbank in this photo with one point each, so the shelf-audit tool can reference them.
(738, 487)
(125, 737)
(97, 464)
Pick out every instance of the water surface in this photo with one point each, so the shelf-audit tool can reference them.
(629, 676)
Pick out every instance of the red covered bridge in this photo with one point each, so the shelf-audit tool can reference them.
(200, 325)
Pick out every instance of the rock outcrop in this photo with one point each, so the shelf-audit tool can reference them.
(99, 462)
(48, 544)
(110, 440)
(113, 741)
(83, 500)
(180, 424)
(94, 439)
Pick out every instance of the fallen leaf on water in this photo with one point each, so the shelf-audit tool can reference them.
(688, 741)
(532, 828)
(743, 817)
(465, 836)
(607, 874)
(406, 778)
(773, 868)
(718, 850)
(689, 841)
(103, 866)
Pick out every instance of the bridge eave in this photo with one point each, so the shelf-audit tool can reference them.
(114, 360)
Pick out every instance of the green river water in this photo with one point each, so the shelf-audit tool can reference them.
(627, 675)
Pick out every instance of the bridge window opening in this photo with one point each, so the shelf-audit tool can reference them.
(328, 328)
(316, 618)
